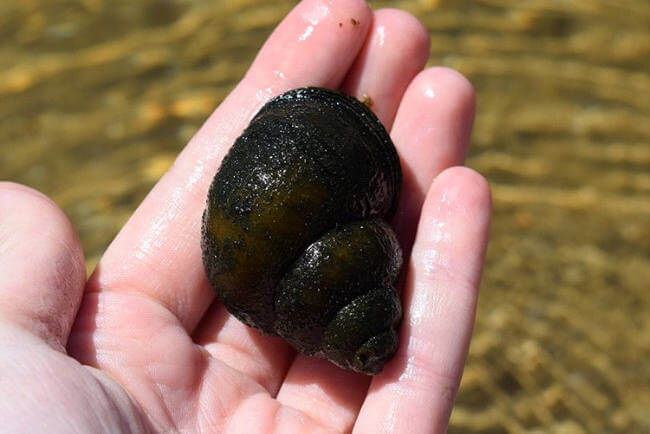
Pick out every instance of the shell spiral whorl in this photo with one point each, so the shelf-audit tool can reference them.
(295, 240)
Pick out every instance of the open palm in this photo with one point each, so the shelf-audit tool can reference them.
(144, 347)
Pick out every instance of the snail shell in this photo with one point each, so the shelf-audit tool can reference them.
(295, 240)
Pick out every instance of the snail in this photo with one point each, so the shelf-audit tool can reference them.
(295, 237)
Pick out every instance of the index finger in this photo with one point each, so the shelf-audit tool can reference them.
(157, 253)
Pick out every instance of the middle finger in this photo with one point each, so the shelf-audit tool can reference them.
(395, 51)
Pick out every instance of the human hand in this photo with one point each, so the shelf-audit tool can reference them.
(145, 348)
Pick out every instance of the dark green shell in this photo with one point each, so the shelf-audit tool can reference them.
(295, 241)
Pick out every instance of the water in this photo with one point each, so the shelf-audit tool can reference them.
(98, 97)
